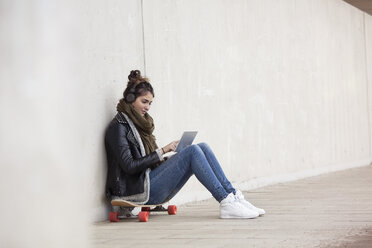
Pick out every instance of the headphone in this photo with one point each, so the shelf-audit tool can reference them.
(131, 96)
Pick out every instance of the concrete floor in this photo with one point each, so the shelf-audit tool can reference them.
(331, 210)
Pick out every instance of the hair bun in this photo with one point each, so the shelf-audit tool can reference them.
(134, 75)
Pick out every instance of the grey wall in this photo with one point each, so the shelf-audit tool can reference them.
(368, 57)
(43, 199)
(277, 88)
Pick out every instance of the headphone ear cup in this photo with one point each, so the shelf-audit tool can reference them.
(130, 98)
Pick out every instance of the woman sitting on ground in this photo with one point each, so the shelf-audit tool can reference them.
(137, 171)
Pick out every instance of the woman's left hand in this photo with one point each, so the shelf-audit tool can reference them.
(171, 146)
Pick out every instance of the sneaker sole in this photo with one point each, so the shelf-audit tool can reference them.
(238, 217)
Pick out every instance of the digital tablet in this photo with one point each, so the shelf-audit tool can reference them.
(186, 140)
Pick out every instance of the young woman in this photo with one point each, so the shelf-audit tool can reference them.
(137, 170)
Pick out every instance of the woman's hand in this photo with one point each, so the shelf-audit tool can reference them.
(171, 146)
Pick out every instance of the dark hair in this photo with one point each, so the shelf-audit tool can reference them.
(137, 86)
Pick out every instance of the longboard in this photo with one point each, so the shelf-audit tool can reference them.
(143, 216)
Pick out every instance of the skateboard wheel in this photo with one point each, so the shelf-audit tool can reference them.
(145, 209)
(143, 216)
(172, 209)
(113, 217)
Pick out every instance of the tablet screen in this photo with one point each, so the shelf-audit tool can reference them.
(186, 140)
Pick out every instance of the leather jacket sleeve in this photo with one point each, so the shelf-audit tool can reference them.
(119, 144)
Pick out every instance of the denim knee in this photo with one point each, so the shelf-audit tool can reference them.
(204, 145)
(194, 148)
(189, 151)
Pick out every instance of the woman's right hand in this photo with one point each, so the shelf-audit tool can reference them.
(171, 146)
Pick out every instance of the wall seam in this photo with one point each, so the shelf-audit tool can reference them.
(367, 80)
(143, 39)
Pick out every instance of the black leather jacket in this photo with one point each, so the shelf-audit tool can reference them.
(126, 166)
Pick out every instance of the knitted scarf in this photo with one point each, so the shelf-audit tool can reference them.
(144, 124)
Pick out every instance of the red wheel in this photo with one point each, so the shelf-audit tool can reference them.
(145, 209)
(143, 216)
(113, 217)
(172, 209)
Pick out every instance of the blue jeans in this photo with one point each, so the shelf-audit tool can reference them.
(167, 179)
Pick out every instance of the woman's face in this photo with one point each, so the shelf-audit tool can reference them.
(142, 103)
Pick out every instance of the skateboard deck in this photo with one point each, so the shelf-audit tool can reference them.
(143, 216)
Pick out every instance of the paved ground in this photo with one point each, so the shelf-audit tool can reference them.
(328, 211)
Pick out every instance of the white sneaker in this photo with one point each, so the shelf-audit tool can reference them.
(240, 198)
(231, 208)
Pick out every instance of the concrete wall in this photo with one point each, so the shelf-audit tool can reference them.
(42, 182)
(368, 43)
(277, 88)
